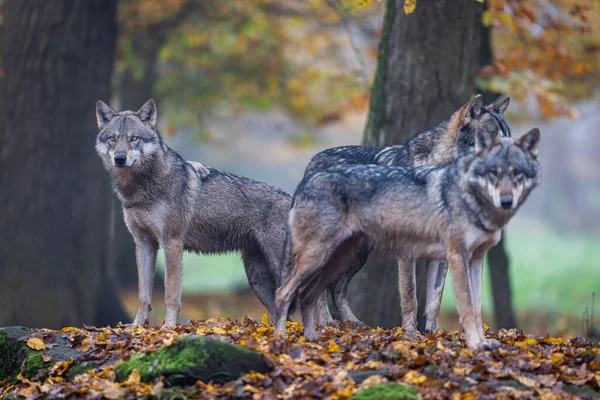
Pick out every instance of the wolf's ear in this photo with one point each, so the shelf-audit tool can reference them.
(471, 109)
(484, 142)
(500, 105)
(530, 142)
(148, 113)
(104, 113)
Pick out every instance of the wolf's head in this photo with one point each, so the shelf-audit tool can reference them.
(473, 117)
(126, 138)
(502, 172)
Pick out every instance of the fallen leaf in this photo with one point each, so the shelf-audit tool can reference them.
(414, 377)
(333, 347)
(134, 377)
(36, 344)
(113, 391)
(46, 357)
(409, 6)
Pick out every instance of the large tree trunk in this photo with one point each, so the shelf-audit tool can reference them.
(427, 66)
(58, 60)
(498, 262)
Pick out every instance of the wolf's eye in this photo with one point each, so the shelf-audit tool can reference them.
(518, 176)
(134, 138)
(112, 138)
(492, 176)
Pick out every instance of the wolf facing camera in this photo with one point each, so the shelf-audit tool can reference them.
(182, 205)
(454, 213)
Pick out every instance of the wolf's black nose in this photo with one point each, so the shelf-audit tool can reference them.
(506, 201)
(120, 159)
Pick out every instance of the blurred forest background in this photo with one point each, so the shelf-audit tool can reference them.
(258, 87)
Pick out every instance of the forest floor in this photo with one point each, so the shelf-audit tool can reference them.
(344, 362)
(244, 303)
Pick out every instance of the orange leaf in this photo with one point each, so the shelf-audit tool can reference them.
(333, 347)
(36, 344)
(409, 6)
(134, 377)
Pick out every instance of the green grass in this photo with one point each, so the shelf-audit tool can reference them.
(209, 274)
(549, 272)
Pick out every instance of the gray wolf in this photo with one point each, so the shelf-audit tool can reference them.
(438, 145)
(454, 212)
(181, 205)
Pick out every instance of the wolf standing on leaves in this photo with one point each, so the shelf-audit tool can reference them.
(179, 205)
(453, 212)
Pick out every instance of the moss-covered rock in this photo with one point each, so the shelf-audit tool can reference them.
(16, 356)
(388, 391)
(193, 358)
(14, 353)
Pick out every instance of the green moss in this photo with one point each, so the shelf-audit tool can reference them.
(32, 364)
(9, 365)
(193, 358)
(387, 391)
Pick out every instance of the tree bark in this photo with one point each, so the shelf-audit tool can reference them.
(427, 66)
(58, 60)
(498, 262)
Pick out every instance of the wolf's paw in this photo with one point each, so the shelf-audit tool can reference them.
(433, 327)
(144, 321)
(410, 333)
(167, 327)
(355, 324)
(489, 344)
(311, 334)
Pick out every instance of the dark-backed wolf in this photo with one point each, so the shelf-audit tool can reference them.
(180, 205)
(434, 146)
(453, 212)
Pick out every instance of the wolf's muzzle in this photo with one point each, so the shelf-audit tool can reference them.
(506, 202)
(120, 159)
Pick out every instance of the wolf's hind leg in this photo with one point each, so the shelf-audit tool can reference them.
(145, 255)
(408, 294)
(173, 276)
(436, 277)
(323, 316)
(308, 273)
(260, 278)
(339, 289)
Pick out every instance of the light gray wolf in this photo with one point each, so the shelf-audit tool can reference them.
(182, 205)
(454, 213)
(437, 145)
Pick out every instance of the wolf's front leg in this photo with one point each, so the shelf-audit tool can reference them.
(145, 255)
(408, 294)
(476, 278)
(465, 301)
(436, 277)
(173, 276)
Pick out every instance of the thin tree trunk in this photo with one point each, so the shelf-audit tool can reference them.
(498, 262)
(57, 59)
(427, 66)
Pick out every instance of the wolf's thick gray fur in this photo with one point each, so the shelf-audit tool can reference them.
(453, 212)
(438, 145)
(180, 205)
